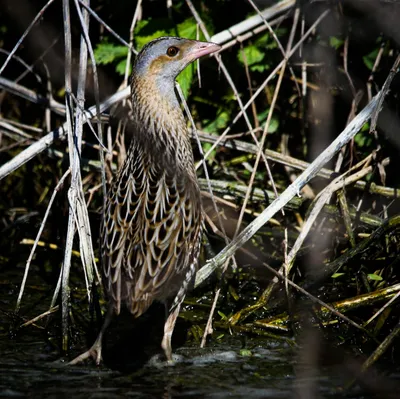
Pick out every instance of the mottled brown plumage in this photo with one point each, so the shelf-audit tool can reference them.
(152, 222)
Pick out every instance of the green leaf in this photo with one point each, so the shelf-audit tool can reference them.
(374, 277)
(121, 67)
(206, 147)
(336, 42)
(105, 53)
(149, 29)
(188, 29)
(365, 127)
(274, 123)
(220, 122)
(223, 316)
(259, 68)
(142, 40)
(251, 56)
(336, 275)
(369, 59)
(230, 97)
(363, 140)
(267, 42)
(185, 79)
(245, 352)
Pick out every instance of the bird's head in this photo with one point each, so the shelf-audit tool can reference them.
(166, 57)
(154, 102)
(160, 62)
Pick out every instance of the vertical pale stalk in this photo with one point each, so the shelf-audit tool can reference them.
(72, 192)
(78, 215)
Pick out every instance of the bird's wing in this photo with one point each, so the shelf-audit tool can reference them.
(151, 232)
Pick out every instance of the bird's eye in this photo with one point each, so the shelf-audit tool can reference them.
(172, 51)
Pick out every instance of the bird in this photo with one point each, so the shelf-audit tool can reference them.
(152, 220)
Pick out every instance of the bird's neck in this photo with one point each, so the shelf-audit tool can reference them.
(155, 105)
(159, 119)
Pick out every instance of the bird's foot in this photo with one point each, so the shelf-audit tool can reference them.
(94, 352)
(170, 362)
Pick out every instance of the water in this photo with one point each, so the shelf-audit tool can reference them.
(30, 369)
(30, 363)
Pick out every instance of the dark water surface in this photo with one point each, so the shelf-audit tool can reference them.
(30, 364)
(214, 372)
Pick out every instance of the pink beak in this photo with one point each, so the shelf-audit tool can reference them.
(202, 48)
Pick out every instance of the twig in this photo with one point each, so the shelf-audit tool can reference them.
(47, 141)
(39, 317)
(252, 22)
(58, 133)
(294, 163)
(101, 21)
(88, 47)
(32, 24)
(131, 32)
(28, 262)
(229, 80)
(275, 37)
(267, 124)
(323, 198)
(260, 151)
(29, 68)
(328, 269)
(385, 90)
(74, 164)
(30, 95)
(208, 329)
(266, 81)
(350, 131)
(82, 222)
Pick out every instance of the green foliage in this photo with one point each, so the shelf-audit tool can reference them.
(365, 127)
(150, 29)
(336, 42)
(187, 29)
(369, 59)
(206, 147)
(223, 315)
(254, 55)
(363, 140)
(220, 122)
(274, 123)
(106, 53)
(121, 66)
(374, 277)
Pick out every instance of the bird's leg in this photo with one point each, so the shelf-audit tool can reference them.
(95, 351)
(168, 330)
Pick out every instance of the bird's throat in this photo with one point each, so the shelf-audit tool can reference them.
(159, 120)
(156, 106)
